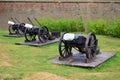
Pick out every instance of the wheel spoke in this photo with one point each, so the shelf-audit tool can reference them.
(63, 49)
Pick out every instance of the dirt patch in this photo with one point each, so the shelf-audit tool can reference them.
(112, 49)
(43, 76)
(4, 58)
(94, 75)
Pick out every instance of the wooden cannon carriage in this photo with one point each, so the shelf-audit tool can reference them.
(15, 27)
(32, 31)
(79, 42)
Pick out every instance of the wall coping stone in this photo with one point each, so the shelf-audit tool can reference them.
(59, 1)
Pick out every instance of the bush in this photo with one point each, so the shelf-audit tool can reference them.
(116, 29)
(101, 26)
(66, 25)
(98, 27)
(105, 27)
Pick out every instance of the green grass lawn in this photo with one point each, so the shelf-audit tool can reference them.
(16, 61)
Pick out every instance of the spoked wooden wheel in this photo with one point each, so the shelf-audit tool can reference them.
(64, 49)
(21, 29)
(12, 29)
(91, 46)
(29, 36)
(47, 32)
(43, 34)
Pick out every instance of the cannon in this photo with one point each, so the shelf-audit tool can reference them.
(87, 46)
(32, 31)
(16, 27)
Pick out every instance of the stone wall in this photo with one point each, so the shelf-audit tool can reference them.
(88, 9)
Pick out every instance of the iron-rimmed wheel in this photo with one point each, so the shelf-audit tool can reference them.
(21, 28)
(91, 46)
(12, 29)
(43, 34)
(47, 32)
(64, 49)
(29, 36)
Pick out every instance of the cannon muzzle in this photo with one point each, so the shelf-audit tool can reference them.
(28, 25)
(11, 22)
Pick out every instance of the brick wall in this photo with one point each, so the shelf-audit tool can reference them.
(89, 10)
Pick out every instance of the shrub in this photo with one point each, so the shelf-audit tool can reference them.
(101, 26)
(98, 27)
(67, 25)
(105, 27)
(116, 29)
(80, 25)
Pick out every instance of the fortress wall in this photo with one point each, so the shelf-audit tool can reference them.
(88, 9)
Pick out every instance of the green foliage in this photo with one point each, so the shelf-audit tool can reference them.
(101, 26)
(97, 27)
(116, 29)
(91, 26)
(105, 27)
(67, 25)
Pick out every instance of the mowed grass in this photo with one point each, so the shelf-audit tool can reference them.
(16, 61)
